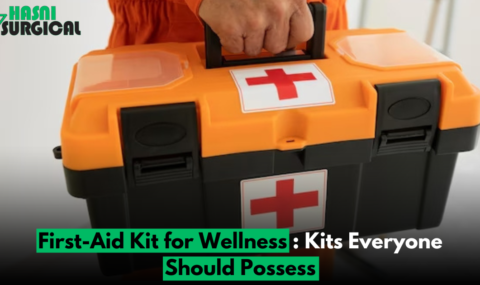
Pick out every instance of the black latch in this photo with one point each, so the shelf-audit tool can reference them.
(160, 144)
(415, 140)
(163, 169)
(407, 116)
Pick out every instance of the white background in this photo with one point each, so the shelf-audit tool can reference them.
(34, 79)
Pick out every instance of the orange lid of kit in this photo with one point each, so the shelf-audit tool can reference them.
(234, 119)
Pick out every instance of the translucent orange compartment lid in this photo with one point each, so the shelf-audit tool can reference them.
(126, 71)
(389, 50)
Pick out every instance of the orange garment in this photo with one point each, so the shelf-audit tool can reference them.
(155, 21)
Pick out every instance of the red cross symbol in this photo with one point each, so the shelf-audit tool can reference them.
(284, 203)
(284, 82)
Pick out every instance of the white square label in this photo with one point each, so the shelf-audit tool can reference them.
(295, 201)
(282, 87)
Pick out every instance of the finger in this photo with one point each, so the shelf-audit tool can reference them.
(301, 27)
(254, 42)
(276, 38)
(233, 44)
(230, 36)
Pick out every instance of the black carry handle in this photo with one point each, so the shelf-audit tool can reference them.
(315, 46)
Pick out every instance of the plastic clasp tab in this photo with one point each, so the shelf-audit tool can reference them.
(405, 141)
(151, 170)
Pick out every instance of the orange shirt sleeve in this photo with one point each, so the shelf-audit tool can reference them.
(336, 12)
(194, 5)
(155, 21)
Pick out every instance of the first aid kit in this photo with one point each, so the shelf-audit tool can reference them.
(359, 131)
